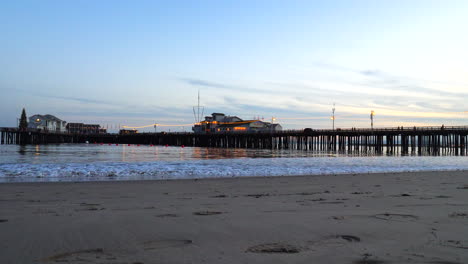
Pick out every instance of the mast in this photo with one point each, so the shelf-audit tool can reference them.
(196, 113)
(198, 106)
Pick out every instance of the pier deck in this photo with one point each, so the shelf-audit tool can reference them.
(407, 138)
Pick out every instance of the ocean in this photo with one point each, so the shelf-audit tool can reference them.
(96, 162)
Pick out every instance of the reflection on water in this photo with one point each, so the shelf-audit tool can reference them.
(91, 153)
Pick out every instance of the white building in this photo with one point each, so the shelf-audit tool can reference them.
(47, 123)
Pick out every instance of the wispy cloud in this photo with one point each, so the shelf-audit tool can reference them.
(67, 98)
(402, 83)
(210, 84)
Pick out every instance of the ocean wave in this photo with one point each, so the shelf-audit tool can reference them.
(161, 170)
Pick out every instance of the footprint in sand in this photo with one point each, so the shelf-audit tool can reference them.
(349, 238)
(274, 248)
(458, 215)
(207, 213)
(455, 244)
(443, 262)
(95, 255)
(333, 241)
(396, 217)
(99, 255)
(257, 195)
(369, 261)
(219, 196)
(339, 217)
(166, 243)
(167, 215)
(285, 248)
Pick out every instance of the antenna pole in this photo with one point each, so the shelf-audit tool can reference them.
(197, 115)
(198, 107)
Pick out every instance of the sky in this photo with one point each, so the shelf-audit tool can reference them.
(141, 62)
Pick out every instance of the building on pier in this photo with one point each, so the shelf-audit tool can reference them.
(220, 123)
(128, 131)
(47, 123)
(81, 128)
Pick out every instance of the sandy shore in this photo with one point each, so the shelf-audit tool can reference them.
(368, 218)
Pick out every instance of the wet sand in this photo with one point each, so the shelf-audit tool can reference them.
(365, 218)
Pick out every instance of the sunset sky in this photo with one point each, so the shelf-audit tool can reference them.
(140, 62)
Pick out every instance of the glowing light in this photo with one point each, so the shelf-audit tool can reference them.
(200, 123)
(157, 124)
(240, 128)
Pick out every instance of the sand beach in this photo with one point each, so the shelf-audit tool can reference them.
(363, 218)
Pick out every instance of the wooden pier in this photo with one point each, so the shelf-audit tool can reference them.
(406, 139)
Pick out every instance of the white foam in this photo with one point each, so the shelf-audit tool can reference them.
(102, 171)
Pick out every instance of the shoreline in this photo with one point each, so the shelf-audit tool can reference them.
(412, 217)
(213, 168)
(240, 177)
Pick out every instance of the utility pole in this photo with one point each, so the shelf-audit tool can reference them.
(372, 113)
(333, 116)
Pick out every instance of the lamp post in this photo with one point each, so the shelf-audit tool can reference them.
(372, 113)
(155, 127)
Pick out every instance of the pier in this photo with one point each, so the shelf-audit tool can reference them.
(407, 139)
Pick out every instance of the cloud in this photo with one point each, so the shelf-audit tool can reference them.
(198, 82)
(67, 98)
(393, 91)
(295, 107)
(402, 83)
(389, 81)
(204, 83)
(78, 99)
(393, 82)
(371, 73)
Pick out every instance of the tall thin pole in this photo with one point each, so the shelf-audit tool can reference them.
(197, 114)
(372, 113)
(333, 116)
(272, 120)
(198, 107)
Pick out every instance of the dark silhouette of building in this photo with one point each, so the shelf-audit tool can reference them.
(128, 131)
(81, 128)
